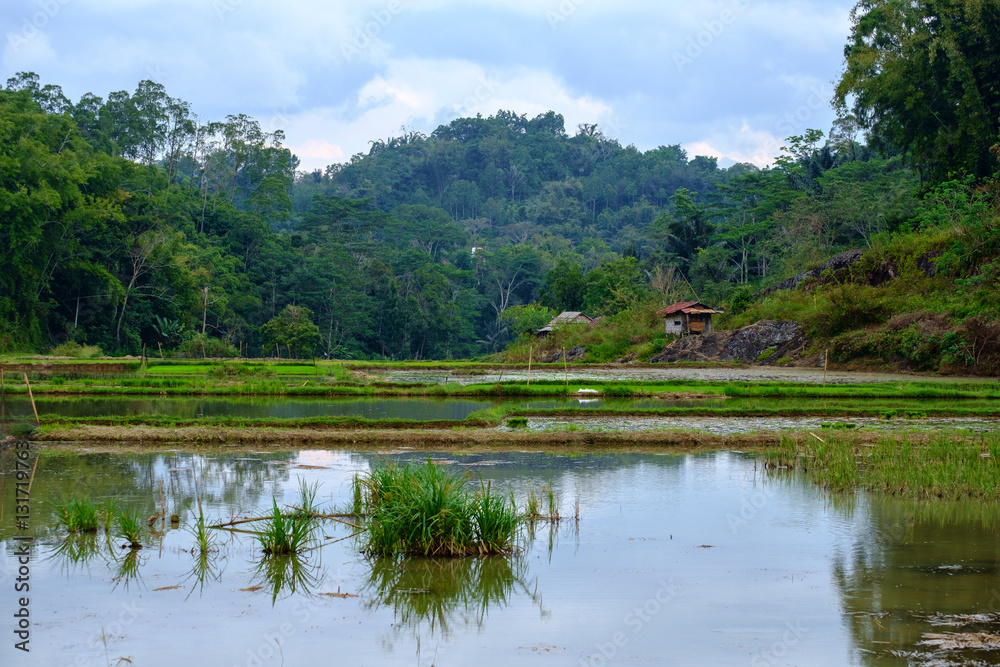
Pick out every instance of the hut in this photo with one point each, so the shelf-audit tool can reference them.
(562, 319)
(687, 317)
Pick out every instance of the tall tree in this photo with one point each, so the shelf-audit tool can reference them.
(922, 76)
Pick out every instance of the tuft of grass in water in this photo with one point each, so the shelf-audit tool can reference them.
(307, 498)
(517, 422)
(128, 526)
(79, 515)
(284, 535)
(426, 511)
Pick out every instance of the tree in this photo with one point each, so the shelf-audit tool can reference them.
(293, 329)
(921, 75)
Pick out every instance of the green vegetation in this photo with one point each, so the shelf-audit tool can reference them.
(286, 534)
(82, 514)
(128, 526)
(938, 465)
(425, 511)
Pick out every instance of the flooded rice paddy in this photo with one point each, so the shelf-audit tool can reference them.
(666, 373)
(274, 407)
(678, 560)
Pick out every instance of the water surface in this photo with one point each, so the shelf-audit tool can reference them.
(676, 560)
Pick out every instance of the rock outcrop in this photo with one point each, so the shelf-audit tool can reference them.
(572, 354)
(764, 343)
(842, 261)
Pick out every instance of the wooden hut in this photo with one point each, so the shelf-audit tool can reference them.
(687, 317)
(562, 319)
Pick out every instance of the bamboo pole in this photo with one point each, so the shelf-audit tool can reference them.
(826, 363)
(31, 397)
(529, 365)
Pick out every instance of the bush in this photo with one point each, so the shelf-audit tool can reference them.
(204, 345)
(76, 351)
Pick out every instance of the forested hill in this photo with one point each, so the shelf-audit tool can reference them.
(126, 221)
(511, 179)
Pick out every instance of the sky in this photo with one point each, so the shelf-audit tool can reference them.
(725, 78)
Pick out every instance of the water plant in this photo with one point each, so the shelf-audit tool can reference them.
(913, 465)
(286, 534)
(128, 526)
(517, 422)
(79, 515)
(426, 511)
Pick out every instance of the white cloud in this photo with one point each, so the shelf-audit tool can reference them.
(743, 144)
(421, 93)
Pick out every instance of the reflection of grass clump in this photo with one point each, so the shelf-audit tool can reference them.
(425, 511)
(436, 590)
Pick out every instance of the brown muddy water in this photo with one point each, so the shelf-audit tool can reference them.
(676, 560)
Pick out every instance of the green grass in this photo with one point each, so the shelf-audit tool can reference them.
(425, 511)
(286, 534)
(941, 465)
(128, 526)
(81, 515)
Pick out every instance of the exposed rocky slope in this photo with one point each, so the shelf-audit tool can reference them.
(765, 343)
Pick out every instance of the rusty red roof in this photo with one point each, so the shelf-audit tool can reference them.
(689, 307)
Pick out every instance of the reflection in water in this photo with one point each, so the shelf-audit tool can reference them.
(434, 593)
(286, 575)
(129, 567)
(911, 565)
(78, 550)
(206, 568)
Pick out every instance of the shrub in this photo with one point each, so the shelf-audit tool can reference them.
(77, 351)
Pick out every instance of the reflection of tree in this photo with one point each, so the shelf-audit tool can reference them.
(909, 562)
(437, 592)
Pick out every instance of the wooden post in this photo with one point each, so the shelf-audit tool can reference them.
(3, 398)
(32, 399)
(529, 365)
(565, 369)
(826, 363)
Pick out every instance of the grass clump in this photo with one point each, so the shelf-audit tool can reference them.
(128, 526)
(517, 422)
(425, 511)
(83, 515)
(284, 535)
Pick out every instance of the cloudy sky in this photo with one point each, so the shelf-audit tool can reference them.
(729, 78)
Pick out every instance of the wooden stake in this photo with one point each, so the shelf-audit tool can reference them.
(826, 362)
(32, 398)
(529, 365)
(163, 507)
(565, 369)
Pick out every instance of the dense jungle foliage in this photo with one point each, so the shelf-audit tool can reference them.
(128, 221)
